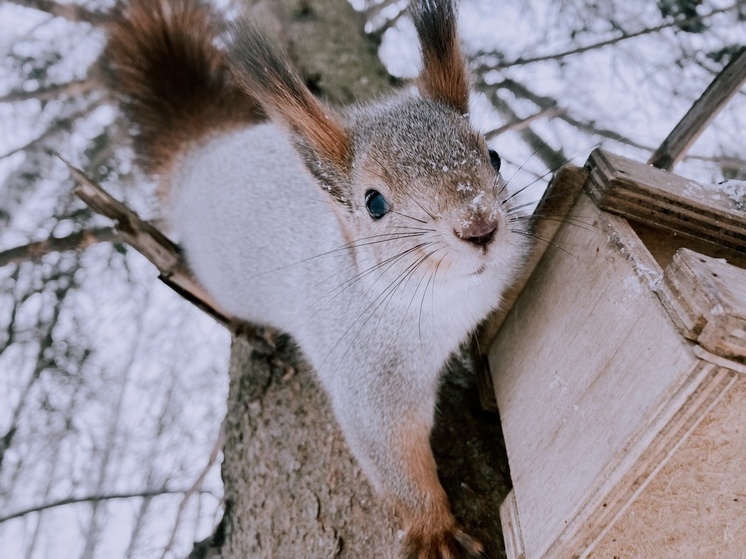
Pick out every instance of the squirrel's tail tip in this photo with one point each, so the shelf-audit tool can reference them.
(173, 82)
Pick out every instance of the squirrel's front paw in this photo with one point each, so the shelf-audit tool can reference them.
(452, 543)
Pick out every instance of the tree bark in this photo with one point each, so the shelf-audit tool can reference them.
(292, 488)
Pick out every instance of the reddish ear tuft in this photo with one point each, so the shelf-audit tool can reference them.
(173, 83)
(266, 73)
(444, 76)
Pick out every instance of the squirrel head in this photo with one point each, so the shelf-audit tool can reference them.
(422, 175)
(409, 169)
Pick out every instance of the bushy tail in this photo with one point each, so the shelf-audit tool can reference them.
(173, 82)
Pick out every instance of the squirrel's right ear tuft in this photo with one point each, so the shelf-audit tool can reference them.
(265, 73)
(444, 76)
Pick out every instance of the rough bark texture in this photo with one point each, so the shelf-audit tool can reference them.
(292, 488)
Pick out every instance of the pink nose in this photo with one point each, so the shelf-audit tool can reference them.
(479, 233)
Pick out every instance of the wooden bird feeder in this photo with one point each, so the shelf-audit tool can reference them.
(620, 371)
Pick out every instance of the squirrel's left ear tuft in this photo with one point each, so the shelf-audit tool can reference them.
(265, 73)
(444, 76)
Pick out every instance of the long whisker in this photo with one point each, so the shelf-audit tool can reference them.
(424, 210)
(334, 293)
(559, 219)
(410, 228)
(417, 288)
(551, 170)
(409, 217)
(530, 157)
(365, 241)
(543, 198)
(520, 207)
(496, 182)
(529, 235)
(391, 286)
(422, 304)
(403, 283)
(432, 291)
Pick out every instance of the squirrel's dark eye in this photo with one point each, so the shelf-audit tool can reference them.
(376, 204)
(495, 160)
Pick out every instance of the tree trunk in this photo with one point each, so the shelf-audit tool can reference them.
(292, 488)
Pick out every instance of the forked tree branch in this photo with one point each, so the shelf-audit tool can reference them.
(151, 243)
(75, 241)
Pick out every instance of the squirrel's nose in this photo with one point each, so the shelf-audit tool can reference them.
(479, 233)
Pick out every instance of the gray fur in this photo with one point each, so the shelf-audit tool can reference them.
(273, 221)
(270, 246)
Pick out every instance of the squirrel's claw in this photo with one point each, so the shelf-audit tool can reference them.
(453, 543)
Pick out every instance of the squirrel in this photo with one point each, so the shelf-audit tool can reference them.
(378, 236)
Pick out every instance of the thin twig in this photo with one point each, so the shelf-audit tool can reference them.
(70, 88)
(515, 126)
(614, 40)
(93, 499)
(552, 158)
(59, 126)
(75, 241)
(70, 12)
(196, 486)
(548, 103)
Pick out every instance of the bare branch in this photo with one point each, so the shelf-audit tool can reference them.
(196, 486)
(380, 23)
(552, 158)
(45, 340)
(724, 162)
(70, 89)
(75, 241)
(152, 244)
(58, 126)
(548, 103)
(70, 12)
(94, 499)
(614, 40)
(374, 10)
(548, 112)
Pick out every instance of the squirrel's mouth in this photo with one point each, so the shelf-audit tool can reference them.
(480, 270)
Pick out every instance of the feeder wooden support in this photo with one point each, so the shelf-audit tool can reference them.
(620, 361)
(705, 109)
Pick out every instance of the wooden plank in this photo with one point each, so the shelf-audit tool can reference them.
(705, 355)
(696, 505)
(706, 298)
(588, 371)
(556, 202)
(665, 201)
(663, 245)
(618, 499)
(511, 528)
(725, 85)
